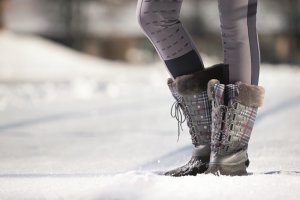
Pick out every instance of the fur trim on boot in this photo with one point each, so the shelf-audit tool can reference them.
(197, 82)
(250, 95)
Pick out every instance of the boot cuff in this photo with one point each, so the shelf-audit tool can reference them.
(197, 82)
(250, 95)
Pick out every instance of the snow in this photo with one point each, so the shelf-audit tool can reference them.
(78, 127)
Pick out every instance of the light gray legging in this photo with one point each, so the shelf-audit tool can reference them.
(160, 21)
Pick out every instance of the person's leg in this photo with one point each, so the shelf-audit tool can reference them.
(240, 42)
(234, 105)
(160, 22)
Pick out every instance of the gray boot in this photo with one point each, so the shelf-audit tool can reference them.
(234, 108)
(190, 93)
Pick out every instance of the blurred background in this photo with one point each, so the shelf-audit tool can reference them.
(83, 97)
(108, 28)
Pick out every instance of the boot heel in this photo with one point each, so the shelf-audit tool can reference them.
(227, 170)
(235, 170)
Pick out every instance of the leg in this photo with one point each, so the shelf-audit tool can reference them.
(160, 21)
(234, 106)
(240, 42)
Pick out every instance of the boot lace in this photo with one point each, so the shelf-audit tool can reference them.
(178, 113)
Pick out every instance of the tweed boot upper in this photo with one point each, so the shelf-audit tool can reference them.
(234, 109)
(196, 111)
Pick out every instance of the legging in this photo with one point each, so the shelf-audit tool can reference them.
(160, 22)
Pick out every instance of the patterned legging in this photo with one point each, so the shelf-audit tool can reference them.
(160, 22)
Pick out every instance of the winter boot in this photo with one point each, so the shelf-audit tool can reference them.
(192, 104)
(234, 108)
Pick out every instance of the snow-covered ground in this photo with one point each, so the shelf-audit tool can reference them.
(76, 127)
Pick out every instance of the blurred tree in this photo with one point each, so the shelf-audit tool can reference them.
(2, 9)
(294, 34)
(71, 14)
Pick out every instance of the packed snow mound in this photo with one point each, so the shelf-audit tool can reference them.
(31, 58)
(34, 70)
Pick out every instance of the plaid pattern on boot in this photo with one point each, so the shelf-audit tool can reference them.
(232, 123)
(197, 111)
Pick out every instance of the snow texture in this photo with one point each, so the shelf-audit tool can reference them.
(76, 127)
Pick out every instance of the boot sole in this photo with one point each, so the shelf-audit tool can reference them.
(227, 170)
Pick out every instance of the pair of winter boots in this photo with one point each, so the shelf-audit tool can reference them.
(220, 116)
